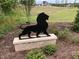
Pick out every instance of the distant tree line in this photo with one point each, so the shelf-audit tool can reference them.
(64, 3)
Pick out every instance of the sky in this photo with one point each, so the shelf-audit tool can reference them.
(53, 1)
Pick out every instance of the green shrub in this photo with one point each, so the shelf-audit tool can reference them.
(76, 56)
(49, 49)
(1, 20)
(1, 34)
(8, 22)
(76, 23)
(36, 54)
(63, 34)
(21, 20)
(76, 27)
(75, 39)
(55, 31)
(4, 28)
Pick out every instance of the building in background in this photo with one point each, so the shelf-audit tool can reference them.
(43, 3)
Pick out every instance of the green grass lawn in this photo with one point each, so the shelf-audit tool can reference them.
(57, 14)
(67, 15)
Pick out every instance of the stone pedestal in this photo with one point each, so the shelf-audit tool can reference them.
(31, 43)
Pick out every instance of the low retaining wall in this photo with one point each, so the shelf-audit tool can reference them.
(31, 43)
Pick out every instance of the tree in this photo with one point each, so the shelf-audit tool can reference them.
(65, 3)
(7, 5)
(76, 23)
(57, 1)
(74, 1)
(28, 5)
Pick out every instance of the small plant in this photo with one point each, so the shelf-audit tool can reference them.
(75, 40)
(36, 54)
(49, 49)
(76, 56)
(63, 34)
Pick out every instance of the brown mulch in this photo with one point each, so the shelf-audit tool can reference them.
(65, 48)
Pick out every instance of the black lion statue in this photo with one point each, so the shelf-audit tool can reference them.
(40, 27)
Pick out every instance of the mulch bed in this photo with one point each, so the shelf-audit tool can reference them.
(65, 48)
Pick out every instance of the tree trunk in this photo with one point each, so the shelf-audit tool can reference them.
(28, 9)
(74, 2)
(62, 1)
(65, 3)
(56, 1)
